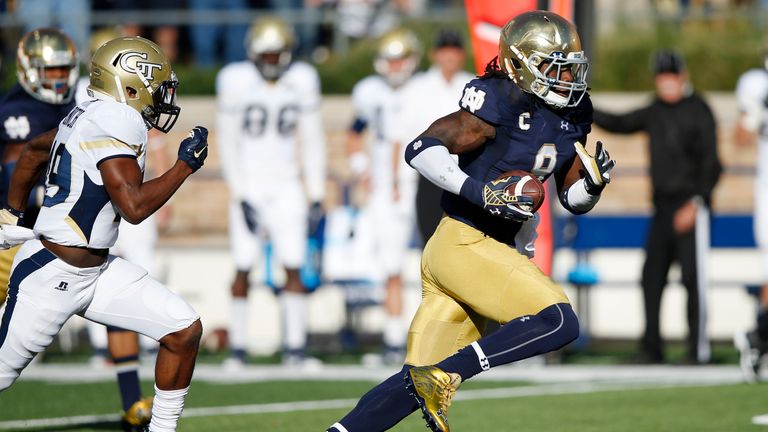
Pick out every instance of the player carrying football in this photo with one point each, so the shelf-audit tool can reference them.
(93, 179)
(530, 111)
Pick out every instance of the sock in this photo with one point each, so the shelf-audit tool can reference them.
(128, 379)
(381, 408)
(394, 332)
(527, 336)
(238, 326)
(166, 409)
(294, 318)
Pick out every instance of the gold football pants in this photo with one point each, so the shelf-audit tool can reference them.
(6, 260)
(467, 279)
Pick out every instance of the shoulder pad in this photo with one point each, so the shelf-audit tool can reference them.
(495, 100)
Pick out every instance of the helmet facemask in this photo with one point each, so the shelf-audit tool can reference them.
(547, 71)
(164, 111)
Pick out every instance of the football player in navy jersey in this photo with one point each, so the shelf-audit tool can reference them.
(36, 104)
(529, 111)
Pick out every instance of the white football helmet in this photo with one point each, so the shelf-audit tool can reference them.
(535, 48)
(39, 51)
(269, 44)
(134, 71)
(397, 56)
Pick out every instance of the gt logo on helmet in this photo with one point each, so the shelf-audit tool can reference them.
(144, 68)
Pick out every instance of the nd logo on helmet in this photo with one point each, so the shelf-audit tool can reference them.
(143, 68)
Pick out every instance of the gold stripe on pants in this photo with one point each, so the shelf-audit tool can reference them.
(6, 261)
(467, 279)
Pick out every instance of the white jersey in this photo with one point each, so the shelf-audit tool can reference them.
(427, 97)
(260, 124)
(752, 97)
(76, 209)
(378, 106)
(81, 92)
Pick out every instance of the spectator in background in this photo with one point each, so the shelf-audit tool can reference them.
(751, 128)
(389, 182)
(684, 169)
(426, 98)
(72, 16)
(166, 35)
(207, 37)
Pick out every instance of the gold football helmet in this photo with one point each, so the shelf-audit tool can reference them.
(102, 36)
(537, 50)
(269, 44)
(46, 65)
(397, 56)
(134, 71)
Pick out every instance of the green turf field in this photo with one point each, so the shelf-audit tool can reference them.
(588, 407)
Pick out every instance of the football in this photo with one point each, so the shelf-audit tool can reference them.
(528, 185)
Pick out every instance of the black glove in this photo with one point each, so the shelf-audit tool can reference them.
(251, 216)
(492, 197)
(194, 148)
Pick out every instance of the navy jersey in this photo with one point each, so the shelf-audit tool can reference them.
(530, 136)
(23, 117)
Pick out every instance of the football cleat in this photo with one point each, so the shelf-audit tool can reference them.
(433, 389)
(138, 415)
(751, 350)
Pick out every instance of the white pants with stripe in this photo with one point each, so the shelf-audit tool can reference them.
(44, 292)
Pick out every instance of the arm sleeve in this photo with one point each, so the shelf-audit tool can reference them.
(228, 129)
(312, 138)
(633, 121)
(709, 168)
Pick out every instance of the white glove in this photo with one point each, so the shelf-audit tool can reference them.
(12, 235)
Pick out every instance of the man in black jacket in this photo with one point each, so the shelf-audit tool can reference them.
(684, 169)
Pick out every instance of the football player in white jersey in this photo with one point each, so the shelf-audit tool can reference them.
(268, 105)
(391, 185)
(752, 127)
(94, 177)
(135, 243)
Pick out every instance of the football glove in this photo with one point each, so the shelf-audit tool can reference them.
(598, 167)
(194, 148)
(251, 216)
(12, 235)
(316, 215)
(493, 197)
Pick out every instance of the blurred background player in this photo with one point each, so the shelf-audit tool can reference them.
(267, 106)
(533, 94)
(427, 97)
(389, 184)
(684, 168)
(135, 243)
(36, 104)
(751, 128)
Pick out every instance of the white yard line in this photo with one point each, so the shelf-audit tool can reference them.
(480, 394)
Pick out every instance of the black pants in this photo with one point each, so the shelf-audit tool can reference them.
(428, 209)
(664, 247)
